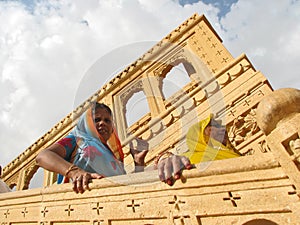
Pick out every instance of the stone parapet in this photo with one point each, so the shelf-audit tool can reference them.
(233, 191)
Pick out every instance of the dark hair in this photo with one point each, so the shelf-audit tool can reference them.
(98, 105)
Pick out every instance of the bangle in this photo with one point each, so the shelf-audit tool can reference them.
(71, 168)
(161, 156)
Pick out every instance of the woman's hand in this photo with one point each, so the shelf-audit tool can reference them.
(139, 149)
(81, 179)
(170, 168)
(52, 159)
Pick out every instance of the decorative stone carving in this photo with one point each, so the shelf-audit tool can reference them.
(295, 147)
(134, 88)
(243, 127)
(232, 198)
(264, 146)
(26, 176)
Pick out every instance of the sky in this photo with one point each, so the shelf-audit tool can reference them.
(49, 48)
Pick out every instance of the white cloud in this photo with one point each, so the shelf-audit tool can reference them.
(269, 33)
(47, 52)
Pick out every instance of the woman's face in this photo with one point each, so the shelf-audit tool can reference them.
(216, 131)
(104, 123)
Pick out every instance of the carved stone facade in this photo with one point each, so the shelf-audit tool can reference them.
(262, 187)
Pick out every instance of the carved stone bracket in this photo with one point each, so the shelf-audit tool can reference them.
(27, 174)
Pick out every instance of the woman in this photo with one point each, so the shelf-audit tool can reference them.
(91, 151)
(206, 141)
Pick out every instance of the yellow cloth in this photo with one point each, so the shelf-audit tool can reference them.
(203, 148)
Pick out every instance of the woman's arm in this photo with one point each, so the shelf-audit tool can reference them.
(52, 159)
(139, 149)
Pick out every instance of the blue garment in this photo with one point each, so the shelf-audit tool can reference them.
(86, 150)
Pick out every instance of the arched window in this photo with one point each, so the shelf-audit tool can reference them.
(176, 77)
(136, 107)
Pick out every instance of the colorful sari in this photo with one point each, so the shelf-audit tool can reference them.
(203, 148)
(87, 150)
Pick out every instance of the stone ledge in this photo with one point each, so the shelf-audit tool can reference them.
(228, 166)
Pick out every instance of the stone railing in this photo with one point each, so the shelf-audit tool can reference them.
(232, 191)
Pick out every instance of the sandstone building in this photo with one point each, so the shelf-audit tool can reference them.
(261, 187)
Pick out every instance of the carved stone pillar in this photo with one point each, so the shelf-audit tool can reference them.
(49, 178)
(26, 175)
(152, 87)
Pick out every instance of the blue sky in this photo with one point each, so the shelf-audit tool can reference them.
(223, 5)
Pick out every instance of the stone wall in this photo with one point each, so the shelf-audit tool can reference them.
(232, 191)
